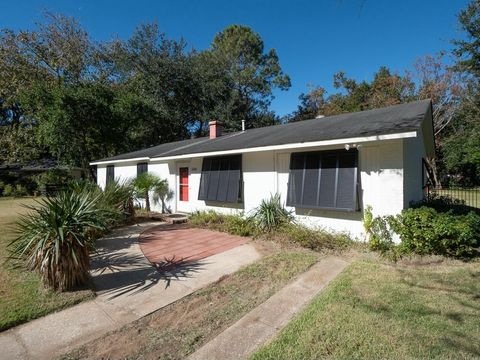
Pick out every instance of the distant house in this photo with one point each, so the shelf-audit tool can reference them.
(327, 170)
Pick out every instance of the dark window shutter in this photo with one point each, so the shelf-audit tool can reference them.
(110, 173)
(323, 179)
(213, 180)
(295, 182)
(142, 168)
(220, 179)
(346, 186)
(327, 181)
(203, 190)
(310, 182)
(224, 173)
(234, 180)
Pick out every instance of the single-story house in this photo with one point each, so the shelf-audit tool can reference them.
(326, 170)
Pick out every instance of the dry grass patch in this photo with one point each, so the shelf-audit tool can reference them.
(179, 329)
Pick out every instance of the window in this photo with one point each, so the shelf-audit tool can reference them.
(110, 173)
(323, 180)
(142, 168)
(221, 179)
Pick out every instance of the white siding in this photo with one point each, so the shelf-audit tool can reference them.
(413, 152)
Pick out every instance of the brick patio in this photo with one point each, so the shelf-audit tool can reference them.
(171, 244)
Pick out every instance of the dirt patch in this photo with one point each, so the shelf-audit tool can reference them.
(179, 329)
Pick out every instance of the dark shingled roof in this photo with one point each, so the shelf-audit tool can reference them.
(383, 121)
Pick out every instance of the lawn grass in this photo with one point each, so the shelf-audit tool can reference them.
(375, 310)
(22, 296)
(179, 329)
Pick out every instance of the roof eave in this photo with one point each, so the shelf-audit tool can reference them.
(402, 135)
(355, 140)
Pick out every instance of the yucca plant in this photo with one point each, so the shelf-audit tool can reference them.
(118, 198)
(271, 213)
(56, 237)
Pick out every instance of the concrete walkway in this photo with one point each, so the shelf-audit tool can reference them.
(261, 324)
(128, 288)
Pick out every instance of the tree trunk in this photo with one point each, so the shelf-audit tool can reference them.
(147, 201)
(432, 164)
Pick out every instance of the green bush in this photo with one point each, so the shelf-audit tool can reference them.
(232, 224)
(271, 214)
(8, 190)
(425, 231)
(53, 176)
(314, 238)
(442, 203)
(20, 190)
(380, 236)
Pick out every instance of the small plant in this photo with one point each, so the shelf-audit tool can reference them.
(144, 184)
(379, 233)
(56, 237)
(314, 238)
(271, 214)
(232, 224)
(8, 190)
(162, 194)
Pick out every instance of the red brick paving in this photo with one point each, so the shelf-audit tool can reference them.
(170, 244)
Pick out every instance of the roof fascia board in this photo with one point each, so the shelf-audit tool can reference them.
(267, 148)
(403, 135)
(119, 161)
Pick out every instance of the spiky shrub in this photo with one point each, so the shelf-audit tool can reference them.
(116, 198)
(56, 236)
(271, 213)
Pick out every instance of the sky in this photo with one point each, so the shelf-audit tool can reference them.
(313, 39)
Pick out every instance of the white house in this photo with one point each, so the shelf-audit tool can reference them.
(327, 170)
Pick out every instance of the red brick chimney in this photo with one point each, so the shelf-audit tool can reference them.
(215, 129)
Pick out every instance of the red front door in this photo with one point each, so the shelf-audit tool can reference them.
(184, 184)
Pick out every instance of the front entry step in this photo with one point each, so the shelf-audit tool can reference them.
(177, 218)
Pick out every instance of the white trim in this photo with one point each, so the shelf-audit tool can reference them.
(119, 161)
(403, 135)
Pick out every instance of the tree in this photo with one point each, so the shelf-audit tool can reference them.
(444, 86)
(144, 184)
(385, 89)
(462, 154)
(311, 105)
(162, 76)
(247, 72)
